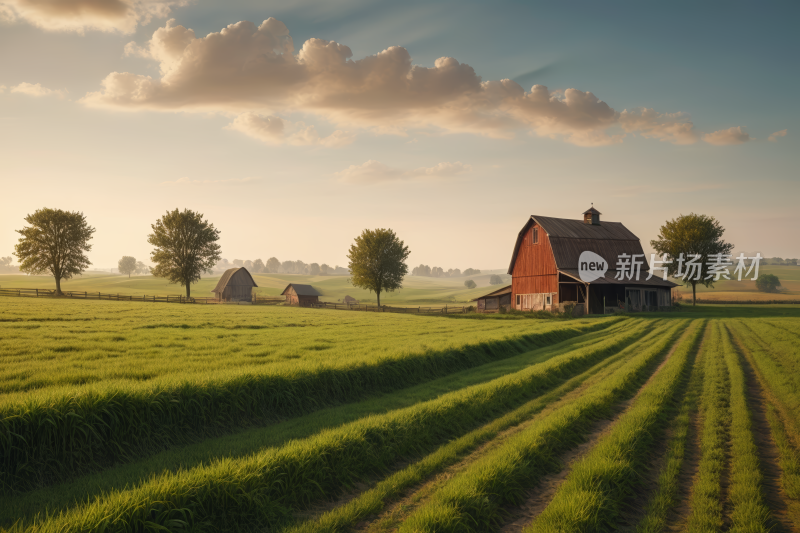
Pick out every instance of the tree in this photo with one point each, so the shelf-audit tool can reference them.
(238, 263)
(768, 283)
(55, 242)
(378, 261)
(258, 266)
(324, 269)
(248, 265)
(273, 265)
(691, 235)
(470, 284)
(313, 269)
(495, 280)
(127, 265)
(141, 268)
(471, 272)
(185, 247)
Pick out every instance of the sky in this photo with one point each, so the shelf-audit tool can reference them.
(293, 126)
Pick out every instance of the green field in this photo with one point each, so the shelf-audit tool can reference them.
(416, 290)
(125, 416)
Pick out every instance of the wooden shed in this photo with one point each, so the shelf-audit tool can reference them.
(545, 271)
(302, 295)
(492, 302)
(235, 285)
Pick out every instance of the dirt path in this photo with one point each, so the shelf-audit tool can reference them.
(768, 454)
(539, 497)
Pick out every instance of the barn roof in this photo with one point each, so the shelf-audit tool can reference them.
(302, 290)
(226, 277)
(498, 292)
(610, 279)
(569, 238)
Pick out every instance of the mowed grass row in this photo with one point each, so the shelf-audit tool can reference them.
(48, 436)
(592, 497)
(265, 488)
(258, 438)
(783, 400)
(706, 499)
(374, 500)
(473, 499)
(749, 512)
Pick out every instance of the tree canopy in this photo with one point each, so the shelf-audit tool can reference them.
(56, 241)
(470, 284)
(494, 279)
(690, 235)
(127, 265)
(185, 247)
(768, 283)
(378, 261)
(273, 265)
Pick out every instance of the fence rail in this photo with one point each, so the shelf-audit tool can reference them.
(446, 310)
(85, 295)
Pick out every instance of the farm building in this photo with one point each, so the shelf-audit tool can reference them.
(302, 295)
(492, 302)
(235, 285)
(545, 270)
(349, 300)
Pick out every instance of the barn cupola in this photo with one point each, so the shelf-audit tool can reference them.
(591, 216)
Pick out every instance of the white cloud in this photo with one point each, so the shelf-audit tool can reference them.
(36, 90)
(81, 15)
(245, 68)
(230, 181)
(774, 136)
(275, 130)
(3, 89)
(375, 172)
(734, 135)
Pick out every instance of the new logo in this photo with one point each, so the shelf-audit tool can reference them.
(591, 266)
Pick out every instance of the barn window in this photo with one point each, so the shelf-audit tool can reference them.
(535, 235)
(549, 299)
(518, 299)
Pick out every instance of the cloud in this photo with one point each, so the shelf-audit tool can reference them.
(230, 181)
(734, 135)
(774, 136)
(81, 15)
(248, 68)
(36, 90)
(274, 130)
(375, 172)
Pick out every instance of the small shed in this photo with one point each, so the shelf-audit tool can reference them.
(235, 285)
(302, 295)
(350, 300)
(492, 302)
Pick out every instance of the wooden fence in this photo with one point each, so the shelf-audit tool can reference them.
(446, 310)
(84, 295)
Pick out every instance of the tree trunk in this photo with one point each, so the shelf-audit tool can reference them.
(58, 287)
(379, 298)
(694, 294)
(188, 290)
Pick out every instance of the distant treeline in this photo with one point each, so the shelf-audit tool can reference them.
(439, 272)
(6, 267)
(274, 266)
(778, 261)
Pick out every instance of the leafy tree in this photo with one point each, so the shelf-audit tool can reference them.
(454, 272)
(378, 261)
(324, 269)
(691, 235)
(768, 283)
(273, 265)
(6, 261)
(127, 265)
(55, 242)
(185, 247)
(287, 267)
(495, 280)
(470, 284)
(248, 265)
(436, 272)
(141, 268)
(258, 266)
(313, 269)
(471, 272)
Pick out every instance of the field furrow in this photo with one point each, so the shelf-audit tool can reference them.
(474, 499)
(265, 488)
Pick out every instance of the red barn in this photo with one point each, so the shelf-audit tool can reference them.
(544, 267)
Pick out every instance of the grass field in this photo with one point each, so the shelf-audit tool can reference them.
(416, 290)
(124, 417)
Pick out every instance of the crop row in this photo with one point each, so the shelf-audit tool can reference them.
(264, 488)
(46, 439)
(473, 500)
(592, 496)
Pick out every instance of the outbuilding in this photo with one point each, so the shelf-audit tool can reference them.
(350, 300)
(492, 302)
(546, 267)
(301, 295)
(235, 285)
